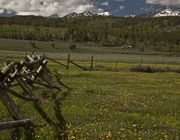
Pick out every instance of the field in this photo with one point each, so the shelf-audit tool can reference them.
(17, 48)
(109, 102)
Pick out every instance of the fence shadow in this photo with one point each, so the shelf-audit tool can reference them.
(61, 126)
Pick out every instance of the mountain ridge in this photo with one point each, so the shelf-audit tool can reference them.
(88, 14)
(158, 12)
(168, 11)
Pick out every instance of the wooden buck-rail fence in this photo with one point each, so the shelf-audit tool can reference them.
(30, 71)
(69, 61)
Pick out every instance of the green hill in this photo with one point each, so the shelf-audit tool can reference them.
(160, 34)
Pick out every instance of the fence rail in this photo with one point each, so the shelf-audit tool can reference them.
(26, 73)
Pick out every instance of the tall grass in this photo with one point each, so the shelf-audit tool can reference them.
(149, 69)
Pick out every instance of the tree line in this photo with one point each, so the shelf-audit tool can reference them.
(162, 34)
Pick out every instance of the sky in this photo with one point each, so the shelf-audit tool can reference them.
(64, 7)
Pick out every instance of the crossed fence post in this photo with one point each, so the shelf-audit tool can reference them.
(26, 73)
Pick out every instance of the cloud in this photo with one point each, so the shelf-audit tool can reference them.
(105, 3)
(47, 7)
(121, 7)
(164, 2)
(7, 13)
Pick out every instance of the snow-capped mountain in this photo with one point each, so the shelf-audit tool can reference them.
(156, 12)
(88, 14)
(159, 12)
(10, 13)
(166, 12)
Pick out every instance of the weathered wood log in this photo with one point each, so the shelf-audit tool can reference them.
(25, 73)
(16, 124)
(45, 85)
(28, 57)
(6, 70)
(58, 78)
(10, 105)
(25, 87)
(39, 68)
(43, 114)
(56, 61)
(33, 62)
(77, 65)
(26, 98)
(45, 76)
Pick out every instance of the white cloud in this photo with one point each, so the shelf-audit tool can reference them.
(164, 2)
(47, 7)
(105, 3)
(121, 7)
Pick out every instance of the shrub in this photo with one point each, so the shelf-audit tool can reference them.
(33, 45)
(72, 47)
(149, 69)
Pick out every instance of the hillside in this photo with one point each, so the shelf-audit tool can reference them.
(160, 34)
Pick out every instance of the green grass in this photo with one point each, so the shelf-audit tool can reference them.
(109, 102)
(106, 104)
(84, 52)
(123, 105)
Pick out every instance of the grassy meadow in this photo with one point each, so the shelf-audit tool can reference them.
(107, 103)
